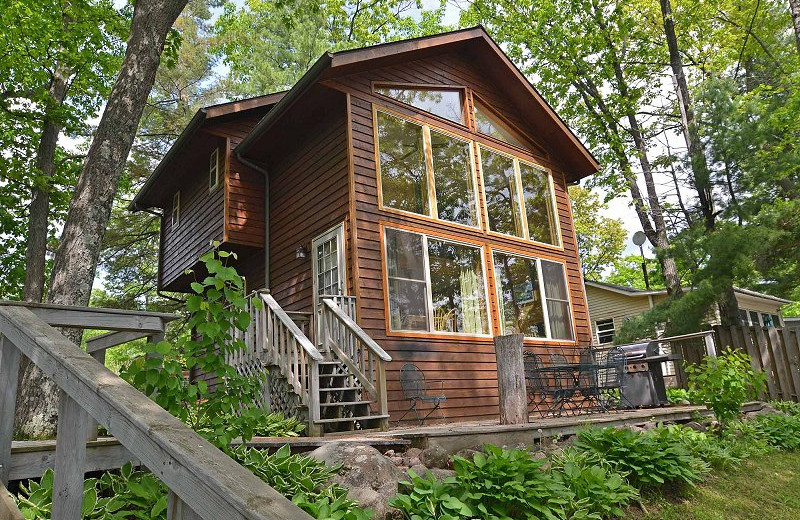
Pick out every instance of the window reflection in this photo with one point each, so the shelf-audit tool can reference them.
(443, 103)
(402, 163)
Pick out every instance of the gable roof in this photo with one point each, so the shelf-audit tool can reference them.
(631, 291)
(198, 121)
(580, 161)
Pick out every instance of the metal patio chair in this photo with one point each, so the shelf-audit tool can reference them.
(610, 379)
(415, 390)
(549, 387)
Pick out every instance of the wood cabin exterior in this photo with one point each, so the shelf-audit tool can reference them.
(611, 305)
(425, 180)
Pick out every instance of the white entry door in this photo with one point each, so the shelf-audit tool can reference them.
(329, 264)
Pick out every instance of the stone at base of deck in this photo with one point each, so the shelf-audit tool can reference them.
(457, 436)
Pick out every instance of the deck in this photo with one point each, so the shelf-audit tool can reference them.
(30, 458)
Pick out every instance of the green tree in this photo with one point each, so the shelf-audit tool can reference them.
(269, 44)
(601, 240)
(627, 271)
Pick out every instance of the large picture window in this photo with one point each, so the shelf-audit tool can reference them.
(435, 285)
(519, 198)
(425, 171)
(533, 298)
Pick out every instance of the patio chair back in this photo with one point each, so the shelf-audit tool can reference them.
(587, 376)
(533, 379)
(611, 374)
(412, 380)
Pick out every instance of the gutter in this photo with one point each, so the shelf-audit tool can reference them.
(263, 171)
(280, 108)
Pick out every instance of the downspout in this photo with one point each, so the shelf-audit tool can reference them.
(263, 171)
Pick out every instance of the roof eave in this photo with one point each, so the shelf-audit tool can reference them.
(196, 122)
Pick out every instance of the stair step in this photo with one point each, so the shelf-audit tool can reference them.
(341, 388)
(344, 403)
(330, 363)
(351, 419)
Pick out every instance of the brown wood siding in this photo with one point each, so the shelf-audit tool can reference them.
(308, 196)
(467, 365)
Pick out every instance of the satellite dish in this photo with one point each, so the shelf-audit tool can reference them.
(639, 238)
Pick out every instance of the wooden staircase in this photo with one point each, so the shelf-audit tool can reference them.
(341, 385)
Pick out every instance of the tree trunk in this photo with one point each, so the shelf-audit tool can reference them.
(39, 213)
(794, 9)
(90, 206)
(729, 308)
(697, 157)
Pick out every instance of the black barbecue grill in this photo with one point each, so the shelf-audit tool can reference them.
(643, 384)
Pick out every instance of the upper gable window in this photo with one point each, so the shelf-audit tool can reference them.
(213, 169)
(445, 103)
(489, 124)
(176, 208)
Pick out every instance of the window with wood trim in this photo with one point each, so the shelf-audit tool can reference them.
(426, 171)
(519, 197)
(213, 169)
(605, 331)
(533, 297)
(492, 125)
(435, 285)
(176, 208)
(445, 103)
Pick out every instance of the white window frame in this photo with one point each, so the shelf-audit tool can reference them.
(428, 289)
(613, 330)
(176, 209)
(545, 312)
(214, 170)
(427, 149)
(523, 215)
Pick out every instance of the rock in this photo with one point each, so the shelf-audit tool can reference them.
(411, 453)
(412, 462)
(649, 425)
(634, 428)
(696, 426)
(435, 457)
(442, 474)
(766, 409)
(467, 453)
(389, 453)
(684, 402)
(397, 461)
(370, 478)
(419, 469)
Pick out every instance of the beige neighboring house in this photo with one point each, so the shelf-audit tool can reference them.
(610, 305)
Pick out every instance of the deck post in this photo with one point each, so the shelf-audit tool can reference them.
(178, 510)
(70, 462)
(9, 373)
(511, 379)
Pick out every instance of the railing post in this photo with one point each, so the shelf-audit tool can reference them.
(313, 398)
(9, 374)
(70, 462)
(380, 386)
(178, 510)
(91, 423)
(711, 349)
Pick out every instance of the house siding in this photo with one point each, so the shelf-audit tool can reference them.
(466, 364)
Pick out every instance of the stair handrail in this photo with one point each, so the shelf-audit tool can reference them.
(203, 481)
(291, 326)
(357, 350)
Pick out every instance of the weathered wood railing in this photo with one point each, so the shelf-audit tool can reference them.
(691, 348)
(360, 353)
(275, 339)
(203, 481)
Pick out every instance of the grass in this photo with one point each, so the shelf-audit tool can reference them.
(762, 487)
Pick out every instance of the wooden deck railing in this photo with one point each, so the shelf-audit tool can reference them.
(203, 481)
(357, 350)
(275, 339)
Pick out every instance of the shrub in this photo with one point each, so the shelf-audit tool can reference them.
(716, 451)
(677, 395)
(511, 484)
(304, 480)
(789, 407)
(428, 499)
(724, 383)
(650, 459)
(779, 431)
(599, 490)
(126, 494)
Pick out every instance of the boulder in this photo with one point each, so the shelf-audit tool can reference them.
(467, 453)
(649, 425)
(435, 457)
(370, 478)
(766, 409)
(696, 426)
(419, 469)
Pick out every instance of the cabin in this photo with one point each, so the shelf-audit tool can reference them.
(610, 305)
(401, 204)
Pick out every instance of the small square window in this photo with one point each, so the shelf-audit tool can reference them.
(605, 331)
(176, 208)
(213, 169)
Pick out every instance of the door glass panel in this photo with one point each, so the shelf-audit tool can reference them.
(501, 193)
(538, 203)
(458, 292)
(443, 103)
(519, 295)
(408, 300)
(452, 171)
(404, 182)
(327, 258)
